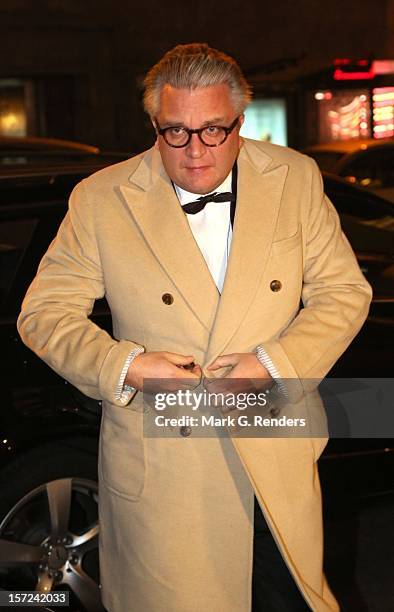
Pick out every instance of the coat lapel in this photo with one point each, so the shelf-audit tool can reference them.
(156, 209)
(258, 201)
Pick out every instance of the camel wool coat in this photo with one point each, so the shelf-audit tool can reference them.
(176, 513)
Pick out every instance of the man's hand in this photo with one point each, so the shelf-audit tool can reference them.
(247, 374)
(165, 371)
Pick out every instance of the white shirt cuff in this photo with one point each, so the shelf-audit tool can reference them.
(124, 392)
(266, 361)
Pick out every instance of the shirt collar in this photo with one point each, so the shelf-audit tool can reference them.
(185, 197)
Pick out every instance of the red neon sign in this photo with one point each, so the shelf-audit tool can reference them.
(353, 70)
(340, 75)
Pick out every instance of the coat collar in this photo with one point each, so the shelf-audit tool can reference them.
(155, 208)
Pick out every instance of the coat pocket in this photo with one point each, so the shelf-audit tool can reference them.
(287, 244)
(121, 455)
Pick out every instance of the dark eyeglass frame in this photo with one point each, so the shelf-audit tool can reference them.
(198, 131)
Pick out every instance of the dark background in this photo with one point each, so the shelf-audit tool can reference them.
(84, 61)
(87, 58)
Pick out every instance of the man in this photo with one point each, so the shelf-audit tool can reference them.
(211, 290)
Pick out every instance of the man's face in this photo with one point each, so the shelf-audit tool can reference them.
(196, 167)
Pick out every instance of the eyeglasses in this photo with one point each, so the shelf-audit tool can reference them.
(211, 136)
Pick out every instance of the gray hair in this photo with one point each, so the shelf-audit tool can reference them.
(191, 66)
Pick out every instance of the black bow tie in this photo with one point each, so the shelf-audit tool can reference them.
(195, 207)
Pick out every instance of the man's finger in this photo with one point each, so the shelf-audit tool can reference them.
(179, 360)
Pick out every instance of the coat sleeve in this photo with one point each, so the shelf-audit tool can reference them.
(54, 320)
(335, 298)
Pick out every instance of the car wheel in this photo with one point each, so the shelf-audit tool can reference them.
(49, 525)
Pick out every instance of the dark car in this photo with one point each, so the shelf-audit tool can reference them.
(368, 222)
(368, 163)
(49, 430)
(17, 153)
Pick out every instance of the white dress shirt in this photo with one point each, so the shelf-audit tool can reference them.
(211, 228)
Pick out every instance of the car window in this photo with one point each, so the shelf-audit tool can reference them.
(37, 188)
(357, 202)
(374, 167)
(14, 239)
(362, 166)
(25, 234)
(367, 219)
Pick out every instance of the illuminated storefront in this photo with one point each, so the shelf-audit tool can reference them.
(13, 111)
(266, 119)
(383, 112)
(357, 103)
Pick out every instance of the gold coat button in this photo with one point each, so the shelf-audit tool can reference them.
(275, 285)
(167, 298)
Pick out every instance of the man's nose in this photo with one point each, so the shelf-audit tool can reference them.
(195, 148)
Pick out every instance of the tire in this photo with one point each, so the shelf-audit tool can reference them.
(49, 525)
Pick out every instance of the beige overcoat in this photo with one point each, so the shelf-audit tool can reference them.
(176, 514)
